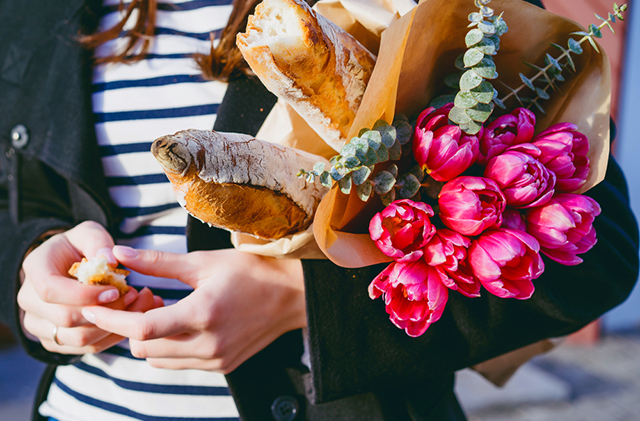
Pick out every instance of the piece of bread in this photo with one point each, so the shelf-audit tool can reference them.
(310, 63)
(236, 182)
(98, 272)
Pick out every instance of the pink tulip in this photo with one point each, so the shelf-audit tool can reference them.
(513, 219)
(447, 252)
(506, 261)
(564, 151)
(505, 131)
(442, 149)
(402, 229)
(564, 227)
(470, 205)
(414, 295)
(523, 179)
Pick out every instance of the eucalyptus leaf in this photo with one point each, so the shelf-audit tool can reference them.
(480, 112)
(404, 130)
(501, 26)
(458, 115)
(527, 82)
(472, 57)
(487, 46)
(387, 133)
(459, 63)
(318, 168)
(560, 78)
(348, 150)
(383, 182)
(345, 185)
(336, 174)
(574, 46)
(612, 18)
(499, 103)
(473, 37)
(471, 127)
(485, 69)
(483, 93)
(475, 17)
(581, 33)
(362, 131)
(383, 153)
(334, 160)
(465, 99)
(553, 61)
(388, 198)
(371, 158)
(593, 44)
(393, 170)
(487, 27)
(311, 177)
(395, 152)
(325, 179)
(595, 31)
(410, 187)
(374, 138)
(364, 191)
(599, 17)
(360, 175)
(469, 80)
(441, 101)
(417, 172)
(452, 80)
(542, 93)
(539, 107)
(351, 162)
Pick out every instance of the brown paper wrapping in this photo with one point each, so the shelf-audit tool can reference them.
(417, 51)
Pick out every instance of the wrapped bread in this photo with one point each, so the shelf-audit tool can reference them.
(98, 272)
(239, 183)
(310, 63)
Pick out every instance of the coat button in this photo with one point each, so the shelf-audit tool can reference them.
(19, 136)
(284, 408)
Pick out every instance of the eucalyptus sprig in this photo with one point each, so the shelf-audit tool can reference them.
(552, 71)
(355, 164)
(473, 104)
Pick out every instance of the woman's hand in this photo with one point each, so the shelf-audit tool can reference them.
(49, 297)
(241, 303)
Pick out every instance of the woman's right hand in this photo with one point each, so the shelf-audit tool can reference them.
(48, 297)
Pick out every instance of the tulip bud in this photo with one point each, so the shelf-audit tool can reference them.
(507, 130)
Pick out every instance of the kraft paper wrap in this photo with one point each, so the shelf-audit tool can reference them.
(417, 51)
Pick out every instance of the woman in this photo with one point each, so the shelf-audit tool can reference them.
(245, 315)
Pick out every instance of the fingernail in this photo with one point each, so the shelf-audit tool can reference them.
(125, 251)
(91, 318)
(109, 296)
(130, 296)
(108, 254)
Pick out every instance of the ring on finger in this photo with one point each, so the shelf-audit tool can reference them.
(55, 335)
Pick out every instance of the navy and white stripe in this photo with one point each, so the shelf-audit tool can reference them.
(133, 105)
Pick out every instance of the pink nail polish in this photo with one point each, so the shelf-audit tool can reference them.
(125, 251)
(108, 254)
(91, 318)
(108, 296)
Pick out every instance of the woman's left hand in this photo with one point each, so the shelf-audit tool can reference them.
(240, 304)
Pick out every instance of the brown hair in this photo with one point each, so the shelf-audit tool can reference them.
(224, 61)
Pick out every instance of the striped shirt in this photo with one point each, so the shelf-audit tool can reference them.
(135, 104)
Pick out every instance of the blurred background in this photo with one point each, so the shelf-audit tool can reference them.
(593, 375)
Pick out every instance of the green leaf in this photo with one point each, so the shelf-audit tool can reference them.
(610, 27)
(452, 80)
(371, 158)
(501, 26)
(571, 63)
(473, 37)
(574, 46)
(383, 182)
(362, 131)
(469, 80)
(348, 150)
(458, 115)
(441, 101)
(351, 162)
(612, 18)
(560, 78)
(595, 31)
(487, 46)
(410, 187)
(459, 63)
(480, 112)
(360, 175)
(483, 93)
(593, 44)
(388, 198)
(404, 130)
(539, 107)
(311, 177)
(318, 168)
(487, 27)
(581, 33)
(417, 172)
(486, 69)
(395, 152)
(559, 47)
(334, 160)
(345, 185)
(465, 99)
(383, 153)
(553, 62)
(527, 82)
(364, 191)
(387, 134)
(473, 57)
(475, 17)
(325, 179)
(393, 170)
(542, 93)
(499, 103)
(336, 174)
(471, 127)
(374, 138)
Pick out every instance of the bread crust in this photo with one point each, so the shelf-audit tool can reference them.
(239, 183)
(102, 275)
(310, 63)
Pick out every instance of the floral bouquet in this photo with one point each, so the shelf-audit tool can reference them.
(472, 193)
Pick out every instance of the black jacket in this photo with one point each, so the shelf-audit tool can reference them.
(362, 367)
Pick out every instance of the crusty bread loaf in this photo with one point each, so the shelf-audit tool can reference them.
(310, 63)
(98, 272)
(239, 183)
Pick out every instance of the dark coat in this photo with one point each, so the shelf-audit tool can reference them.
(362, 367)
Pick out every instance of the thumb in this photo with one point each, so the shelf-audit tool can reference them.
(158, 263)
(91, 240)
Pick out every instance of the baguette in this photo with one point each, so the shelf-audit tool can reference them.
(310, 63)
(238, 183)
(98, 272)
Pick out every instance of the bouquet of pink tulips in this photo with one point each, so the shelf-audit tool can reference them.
(470, 198)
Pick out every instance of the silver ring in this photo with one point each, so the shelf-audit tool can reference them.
(55, 335)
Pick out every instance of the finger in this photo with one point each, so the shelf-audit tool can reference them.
(158, 263)
(154, 324)
(76, 337)
(143, 303)
(187, 364)
(90, 239)
(94, 348)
